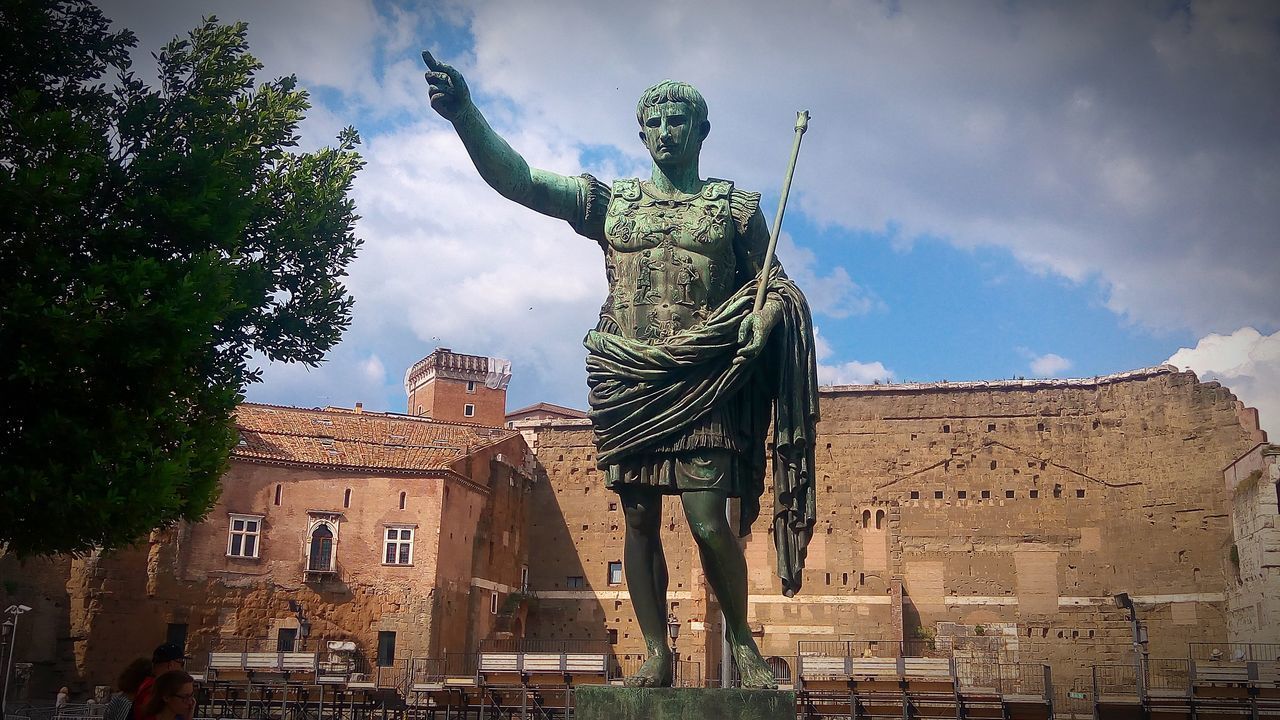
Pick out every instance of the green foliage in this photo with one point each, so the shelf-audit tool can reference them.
(150, 239)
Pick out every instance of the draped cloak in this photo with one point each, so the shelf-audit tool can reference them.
(642, 394)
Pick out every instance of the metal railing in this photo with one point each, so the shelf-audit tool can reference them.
(869, 648)
(1234, 652)
(1005, 678)
(527, 645)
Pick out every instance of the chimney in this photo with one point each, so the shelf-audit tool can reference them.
(359, 408)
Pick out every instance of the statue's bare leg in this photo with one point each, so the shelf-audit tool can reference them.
(726, 571)
(646, 569)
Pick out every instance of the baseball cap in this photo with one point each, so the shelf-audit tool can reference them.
(168, 652)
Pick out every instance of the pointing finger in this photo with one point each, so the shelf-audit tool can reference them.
(430, 61)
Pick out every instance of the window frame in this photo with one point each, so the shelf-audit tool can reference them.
(387, 543)
(615, 565)
(243, 533)
(468, 410)
(333, 546)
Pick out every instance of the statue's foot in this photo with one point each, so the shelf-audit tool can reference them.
(655, 672)
(752, 668)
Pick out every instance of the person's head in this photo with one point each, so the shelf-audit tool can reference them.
(133, 675)
(673, 122)
(168, 656)
(173, 694)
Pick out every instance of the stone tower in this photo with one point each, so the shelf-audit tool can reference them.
(459, 388)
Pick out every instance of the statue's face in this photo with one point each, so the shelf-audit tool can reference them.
(671, 135)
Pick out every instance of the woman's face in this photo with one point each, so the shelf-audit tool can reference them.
(182, 702)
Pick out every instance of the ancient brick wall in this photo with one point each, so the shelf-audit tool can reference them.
(1016, 508)
(1253, 597)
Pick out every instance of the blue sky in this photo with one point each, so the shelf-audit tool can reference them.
(987, 190)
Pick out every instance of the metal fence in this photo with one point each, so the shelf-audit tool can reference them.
(870, 648)
(1234, 652)
(1004, 678)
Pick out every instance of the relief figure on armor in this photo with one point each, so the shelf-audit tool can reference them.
(685, 378)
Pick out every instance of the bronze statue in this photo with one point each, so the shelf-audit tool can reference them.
(683, 374)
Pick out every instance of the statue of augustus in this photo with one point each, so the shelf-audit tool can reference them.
(685, 378)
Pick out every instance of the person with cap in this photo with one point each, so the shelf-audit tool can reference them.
(168, 656)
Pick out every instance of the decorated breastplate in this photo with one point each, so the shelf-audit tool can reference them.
(669, 261)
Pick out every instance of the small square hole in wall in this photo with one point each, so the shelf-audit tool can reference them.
(986, 494)
(613, 506)
(1034, 494)
(991, 427)
(915, 494)
(962, 494)
(1040, 427)
(1008, 493)
(946, 428)
(937, 494)
(1080, 493)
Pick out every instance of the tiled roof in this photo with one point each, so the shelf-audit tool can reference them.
(345, 438)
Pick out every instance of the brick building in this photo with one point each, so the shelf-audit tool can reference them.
(462, 388)
(991, 518)
(401, 535)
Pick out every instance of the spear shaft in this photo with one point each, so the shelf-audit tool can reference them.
(802, 124)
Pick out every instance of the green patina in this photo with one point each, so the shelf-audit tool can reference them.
(686, 373)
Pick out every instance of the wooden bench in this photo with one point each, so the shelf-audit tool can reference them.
(543, 668)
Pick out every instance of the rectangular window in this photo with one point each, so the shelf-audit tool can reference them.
(468, 410)
(524, 578)
(613, 636)
(176, 633)
(615, 573)
(397, 548)
(386, 648)
(471, 386)
(493, 602)
(243, 536)
(574, 582)
(286, 639)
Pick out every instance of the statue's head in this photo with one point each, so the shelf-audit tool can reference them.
(673, 122)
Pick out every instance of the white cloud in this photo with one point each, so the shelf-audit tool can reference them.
(1247, 362)
(1092, 140)
(834, 294)
(846, 373)
(373, 370)
(854, 373)
(1049, 365)
(1102, 140)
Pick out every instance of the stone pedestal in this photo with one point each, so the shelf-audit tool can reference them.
(612, 702)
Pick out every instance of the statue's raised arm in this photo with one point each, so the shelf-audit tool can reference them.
(500, 166)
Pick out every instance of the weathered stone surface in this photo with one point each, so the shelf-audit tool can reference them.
(1006, 512)
(607, 702)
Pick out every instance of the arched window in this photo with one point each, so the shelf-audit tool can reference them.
(402, 497)
(320, 558)
(879, 519)
(781, 669)
(866, 518)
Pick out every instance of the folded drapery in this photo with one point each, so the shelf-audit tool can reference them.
(642, 394)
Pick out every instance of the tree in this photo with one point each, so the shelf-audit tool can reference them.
(151, 239)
